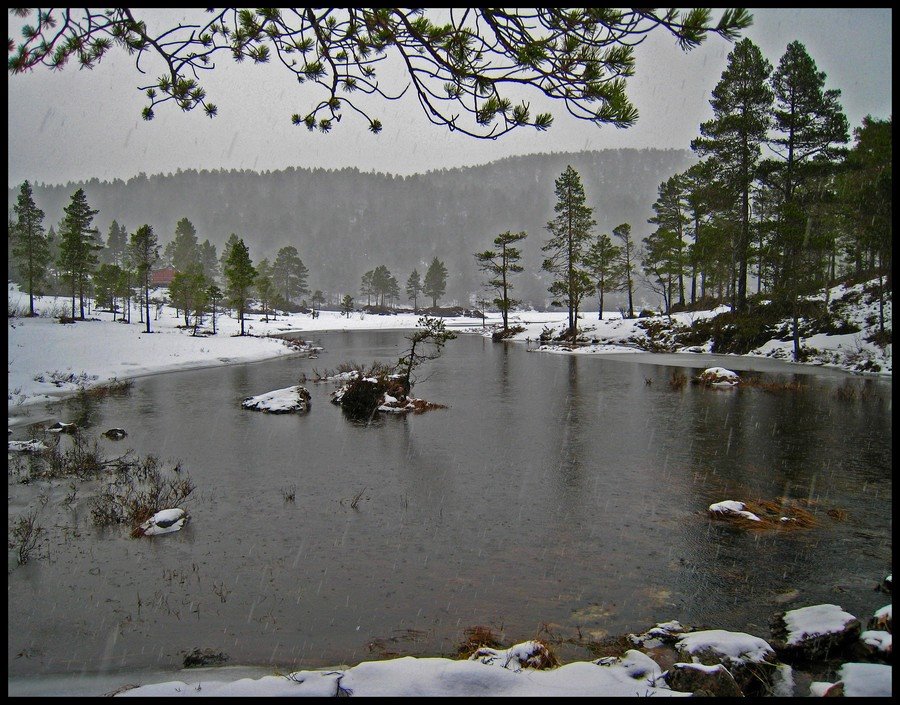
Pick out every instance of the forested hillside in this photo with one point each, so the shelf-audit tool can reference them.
(344, 223)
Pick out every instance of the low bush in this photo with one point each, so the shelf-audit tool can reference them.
(24, 537)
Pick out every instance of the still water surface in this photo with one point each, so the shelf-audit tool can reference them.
(554, 492)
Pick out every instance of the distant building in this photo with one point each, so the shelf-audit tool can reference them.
(162, 277)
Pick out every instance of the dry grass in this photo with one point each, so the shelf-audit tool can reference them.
(138, 493)
(758, 383)
(609, 646)
(25, 536)
(781, 515)
(113, 388)
(475, 638)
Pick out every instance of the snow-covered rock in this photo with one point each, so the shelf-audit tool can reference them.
(732, 508)
(876, 644)
(749, 659)
(528, 654)
(711, 681)
(163, 522)
(662, 633)
(813, 632)
(719, 377)
(63, 427)
(30, 446)
(882, 619)
(857, 680)
(280, 401)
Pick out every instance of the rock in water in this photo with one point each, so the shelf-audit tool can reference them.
(280, 401)
(163, 522)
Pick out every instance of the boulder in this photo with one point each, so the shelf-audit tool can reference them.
(528, 654)
(881, 620)
(719, 377)
(30, 446)
(280, 401)
(732, 508)
(873, 645)
(62, 427)
(750, 660)
(813, 633)
(857, 680)
(711, 681)
(165, 521)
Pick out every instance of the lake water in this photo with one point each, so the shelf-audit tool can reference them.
(555, 493)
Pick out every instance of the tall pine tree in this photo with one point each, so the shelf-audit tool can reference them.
(30, 246)
(289, 274)
(742, 110)
(435, 281)
(413, 288)
(570, 233)
(144, 251)
(602, 261)
(500, 263)
(809, 125)
(78, 248)
(240, 275)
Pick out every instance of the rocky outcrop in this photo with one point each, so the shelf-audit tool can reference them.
(718, 377)
(751, 661)
(813, 633)
(289, 400)
(711, 681)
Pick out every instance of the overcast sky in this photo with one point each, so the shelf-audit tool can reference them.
(75, 125)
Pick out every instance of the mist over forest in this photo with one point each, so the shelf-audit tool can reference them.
(346, 222)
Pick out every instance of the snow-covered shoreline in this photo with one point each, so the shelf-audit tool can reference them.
(48, 361)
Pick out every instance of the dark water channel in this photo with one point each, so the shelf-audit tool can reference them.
(555, 492)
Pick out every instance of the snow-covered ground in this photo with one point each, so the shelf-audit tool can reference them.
(47, 360)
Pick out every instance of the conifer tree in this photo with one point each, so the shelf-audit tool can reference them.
(661, 262)
(742, 114)
(381, 284)
(500, 263)
(289, 274)
(116, 244)
(435, 281)
(627, 257)
(210, 260)
(570, 234)
(414, 288)
(78, 248)
(107, 283)
(240, 275)
(367, 287)
(347, 305)
(265, 289)
(809, 125)
(185, 246)
(602, 261)
(214, 294)
(189, 292)
(426, 343)
(464, 68)
(144, 253)
(30, 245)
(671, 216)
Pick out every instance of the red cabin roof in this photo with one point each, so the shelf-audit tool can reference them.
(162, 277)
